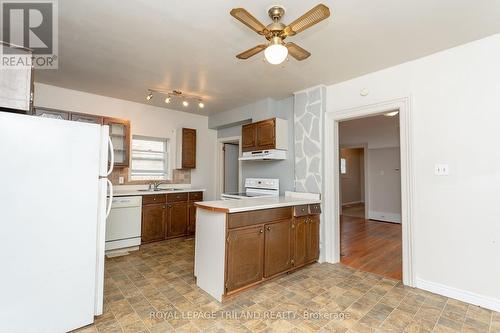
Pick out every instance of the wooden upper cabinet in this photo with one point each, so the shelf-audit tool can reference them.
(119, 131)
(265, 134)
(186, 148)
(244, 257)
(152, 223)
(278, 247)
(248, 137)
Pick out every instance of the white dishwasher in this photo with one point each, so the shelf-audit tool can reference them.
(123, 226)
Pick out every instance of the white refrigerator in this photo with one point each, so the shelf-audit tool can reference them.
(53, 190)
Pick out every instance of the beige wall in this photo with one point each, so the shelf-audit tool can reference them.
(352, 183)
(145, 120)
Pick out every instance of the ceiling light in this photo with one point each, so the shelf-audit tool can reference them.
(201, 105)
(276, 53)
(391, 114)
(149, 96)
(185, 103)
(168, 100)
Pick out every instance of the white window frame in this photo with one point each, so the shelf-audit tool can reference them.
(167, 170)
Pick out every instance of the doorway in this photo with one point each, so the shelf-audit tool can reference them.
(370, 235)
(228, 177)
(331, 229)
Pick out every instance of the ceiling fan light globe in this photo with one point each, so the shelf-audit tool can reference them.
(276, 53)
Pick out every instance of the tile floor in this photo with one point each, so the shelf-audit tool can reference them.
(159, 280)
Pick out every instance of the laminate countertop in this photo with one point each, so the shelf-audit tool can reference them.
(245, 205)
(123, 193)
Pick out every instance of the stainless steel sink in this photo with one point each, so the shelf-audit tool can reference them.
(162, 189)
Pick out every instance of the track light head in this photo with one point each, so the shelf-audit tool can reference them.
(149, 96)
(201, 105)
(185, 103)
(168, 100)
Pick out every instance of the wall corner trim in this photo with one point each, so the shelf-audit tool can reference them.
(459, 294)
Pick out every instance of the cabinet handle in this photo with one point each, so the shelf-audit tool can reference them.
(306, 221)
(261, 231)
(302, 209)
(164, 206)
(154, 199)
(268, 228)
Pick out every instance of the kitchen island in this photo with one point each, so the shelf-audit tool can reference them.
(242, 243)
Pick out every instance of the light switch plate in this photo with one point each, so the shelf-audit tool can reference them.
(121, 180)
(441, 170)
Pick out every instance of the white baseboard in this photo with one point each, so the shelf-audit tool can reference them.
(384, 216)
(461, 295)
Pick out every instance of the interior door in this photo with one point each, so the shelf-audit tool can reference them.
(278, 247)
(245, 255)
(231, 168)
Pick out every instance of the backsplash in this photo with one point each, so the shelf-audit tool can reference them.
(179, 176)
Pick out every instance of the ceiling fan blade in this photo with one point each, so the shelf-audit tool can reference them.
(313, 16)
(297, 52)
(249, 20)
(251, 52)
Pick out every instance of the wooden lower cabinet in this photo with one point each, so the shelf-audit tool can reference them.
(191, 219)
(245, 256)
(177, 219)
(278, 247)
(152, 223)
(168, 216)
(300, 232)
(257, 250)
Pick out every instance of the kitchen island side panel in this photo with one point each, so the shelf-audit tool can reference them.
(210, 251)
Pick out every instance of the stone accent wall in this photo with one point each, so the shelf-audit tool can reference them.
(179, 176)
(309, 109)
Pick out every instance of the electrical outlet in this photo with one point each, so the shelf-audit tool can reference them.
(121, 180)
(441, 170)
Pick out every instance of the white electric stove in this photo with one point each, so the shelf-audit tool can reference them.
(255, 188)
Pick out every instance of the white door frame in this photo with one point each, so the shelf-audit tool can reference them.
(219, 169)
(331, 246)
(363, 146)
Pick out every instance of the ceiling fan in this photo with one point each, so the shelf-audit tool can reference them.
(276, 50)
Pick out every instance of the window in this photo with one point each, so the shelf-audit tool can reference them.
(343, 166)
(150, 158)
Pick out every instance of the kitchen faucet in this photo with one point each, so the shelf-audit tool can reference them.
(156, 184)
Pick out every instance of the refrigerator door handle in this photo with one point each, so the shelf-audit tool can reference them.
(112, 156)
(110, 186)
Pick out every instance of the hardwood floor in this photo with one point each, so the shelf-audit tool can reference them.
(371, 246)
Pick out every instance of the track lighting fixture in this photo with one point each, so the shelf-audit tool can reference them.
(171, 97)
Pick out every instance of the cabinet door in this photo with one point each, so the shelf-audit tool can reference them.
(177, 219)
(244, 257)
(248, 137)
(86, 118)
(51, 113)
(188, 148)
(192, 218)
(152, 223)
(266, 134)
(278, 247)
(119, 131)
(300, 241)
(313, 238)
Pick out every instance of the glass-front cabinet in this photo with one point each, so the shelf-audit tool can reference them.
(119, 131)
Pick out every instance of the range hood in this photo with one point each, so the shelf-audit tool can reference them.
(264, 155)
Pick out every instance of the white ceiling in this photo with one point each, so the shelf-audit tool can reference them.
(121, 48)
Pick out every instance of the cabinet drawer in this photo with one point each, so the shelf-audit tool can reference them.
(315, 209)
(195, 196)
(153, 199)
(301, 210)
(177, 197)
(237, 220)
